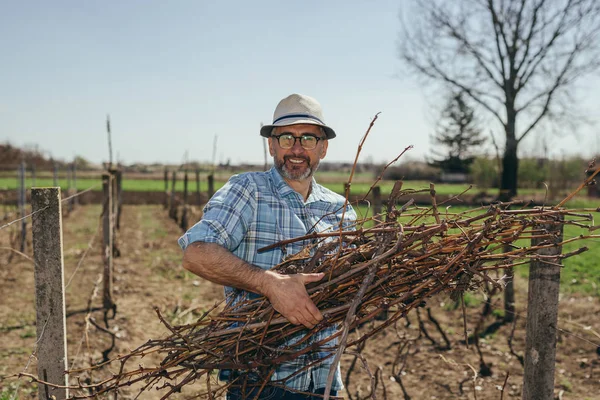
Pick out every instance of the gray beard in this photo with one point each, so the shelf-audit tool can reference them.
(293, 175)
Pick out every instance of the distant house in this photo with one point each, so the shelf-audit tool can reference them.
(454, 177)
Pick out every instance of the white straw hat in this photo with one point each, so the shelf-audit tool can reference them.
(297, 109)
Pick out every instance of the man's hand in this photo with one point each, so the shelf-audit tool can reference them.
(287, 294)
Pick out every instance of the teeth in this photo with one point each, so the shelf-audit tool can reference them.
(293, 161)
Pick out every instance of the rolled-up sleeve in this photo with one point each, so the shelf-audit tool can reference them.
(227, 216)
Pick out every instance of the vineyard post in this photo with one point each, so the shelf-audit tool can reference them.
(211, 185)
(166, 188)
(377, 200)
(22, 202)
(593, 189)
(113, 210)
(49, 293)
(172, 206)
(113, 193)
(377, 209)
(119, 197)
(542, 315)
(184, 223)
(509, 291)
(198, 198)
(107, 299)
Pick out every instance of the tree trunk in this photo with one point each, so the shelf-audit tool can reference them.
(510, 167)
(508, 190)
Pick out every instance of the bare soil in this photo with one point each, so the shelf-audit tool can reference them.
(148, 274)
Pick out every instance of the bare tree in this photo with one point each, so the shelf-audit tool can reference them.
(516, 59)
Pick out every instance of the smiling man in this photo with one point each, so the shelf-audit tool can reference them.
(256, 209)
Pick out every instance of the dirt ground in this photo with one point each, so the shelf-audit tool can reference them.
(148, 274)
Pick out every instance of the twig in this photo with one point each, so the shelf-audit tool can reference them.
(105, 352)
(439, 328)
(350, 316)
(504, 385)
(510, 339)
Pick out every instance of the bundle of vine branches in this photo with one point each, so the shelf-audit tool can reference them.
(390, 263)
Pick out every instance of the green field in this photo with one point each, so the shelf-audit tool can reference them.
(96, 184)
(441, 189)
(333, 181)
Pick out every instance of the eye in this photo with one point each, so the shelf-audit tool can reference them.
(309, 139)
(286, 140)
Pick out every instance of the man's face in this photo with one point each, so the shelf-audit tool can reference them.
(297, 163)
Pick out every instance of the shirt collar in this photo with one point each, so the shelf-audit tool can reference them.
(284, 189)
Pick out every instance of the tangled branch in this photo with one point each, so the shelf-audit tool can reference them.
(384, 265)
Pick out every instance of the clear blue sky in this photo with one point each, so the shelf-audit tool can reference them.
(173, 74)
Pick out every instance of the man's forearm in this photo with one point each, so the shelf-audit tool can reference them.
(287, 293)
(216, 264)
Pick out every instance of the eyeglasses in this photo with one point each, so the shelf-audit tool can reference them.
(307, 141)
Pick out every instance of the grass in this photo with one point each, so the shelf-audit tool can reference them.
(154, 228)
(441, 189)
(135, 185)
(332, 180)
(12, 391)
(566, 384)
(470, 299)
(8, 393)
(29, 332)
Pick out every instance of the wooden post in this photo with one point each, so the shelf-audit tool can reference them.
(377, 209)
(119, 197)
(377, 200)
(107, 298)
(211, 185)
(166, 189)
(49, 293)
(22, 202)
(593, 189)
(113, 211)
(509, 291)
(172, 206)
(542, 317)
(184, 223)
(198, 198)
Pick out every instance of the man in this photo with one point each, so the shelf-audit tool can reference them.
(256, 209)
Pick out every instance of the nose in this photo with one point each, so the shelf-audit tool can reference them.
(297, 147)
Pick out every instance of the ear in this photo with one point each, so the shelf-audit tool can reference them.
(271, 150)
(324, 151)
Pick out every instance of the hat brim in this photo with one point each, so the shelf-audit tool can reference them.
(265, 130)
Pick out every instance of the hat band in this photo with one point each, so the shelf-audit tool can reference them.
(298, 116)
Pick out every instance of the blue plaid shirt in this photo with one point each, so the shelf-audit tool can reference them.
(256, 209)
